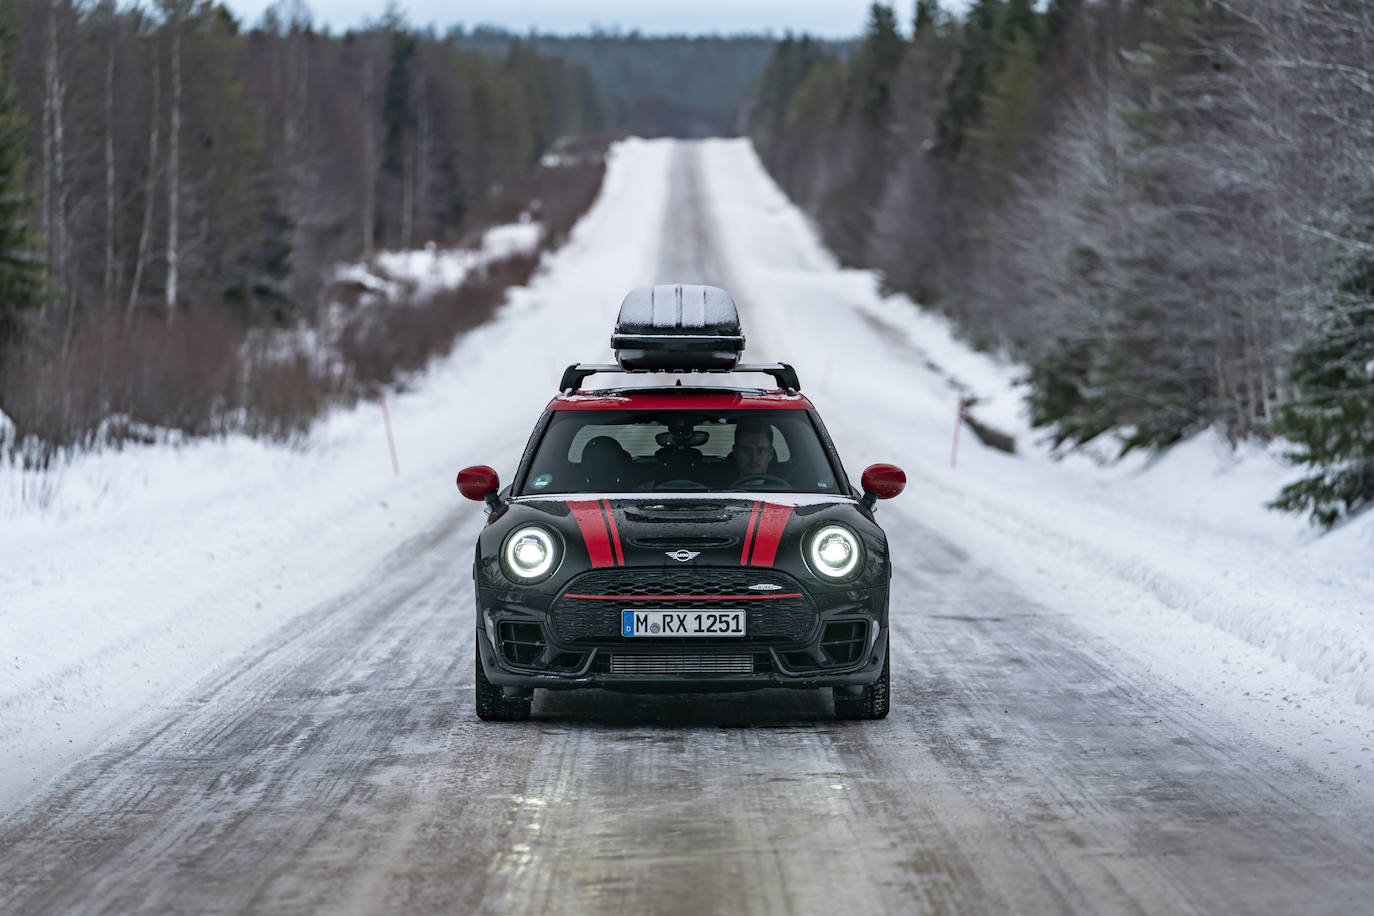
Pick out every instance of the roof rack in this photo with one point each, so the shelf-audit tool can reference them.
(783, 373)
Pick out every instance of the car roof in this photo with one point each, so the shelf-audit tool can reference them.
(681, 398)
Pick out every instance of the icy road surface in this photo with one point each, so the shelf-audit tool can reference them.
(1041, 757)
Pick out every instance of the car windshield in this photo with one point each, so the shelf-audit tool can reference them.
(610, 451)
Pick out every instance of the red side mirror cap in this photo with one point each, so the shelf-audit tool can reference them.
(478, 482)
(883, 480)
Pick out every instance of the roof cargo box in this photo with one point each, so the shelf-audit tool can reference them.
(677, 327)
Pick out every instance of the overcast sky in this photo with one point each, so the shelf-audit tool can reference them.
(831, 18)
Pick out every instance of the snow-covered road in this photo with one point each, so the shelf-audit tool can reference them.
(1113, 690)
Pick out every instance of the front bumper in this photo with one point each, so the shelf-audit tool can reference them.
(840, 641)
(686, 682)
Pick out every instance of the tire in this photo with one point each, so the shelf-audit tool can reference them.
(492, 703)
(873, 703)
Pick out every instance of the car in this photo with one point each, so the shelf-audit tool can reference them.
(681, 538)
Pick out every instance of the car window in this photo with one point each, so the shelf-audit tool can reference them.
(620, 451)
(640, 439)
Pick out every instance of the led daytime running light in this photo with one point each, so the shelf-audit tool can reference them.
(530, 553)
(834, 552)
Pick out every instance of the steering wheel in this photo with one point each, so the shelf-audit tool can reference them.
(680, 483)
(749, 480)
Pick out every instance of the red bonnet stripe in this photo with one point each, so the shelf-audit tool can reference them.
(748, 536)
(592, 523)
(771, 523)
(615, 533)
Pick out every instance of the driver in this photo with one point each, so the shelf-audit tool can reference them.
(753, 452)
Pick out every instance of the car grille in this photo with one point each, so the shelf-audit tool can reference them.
(682, 664)
(596, 617)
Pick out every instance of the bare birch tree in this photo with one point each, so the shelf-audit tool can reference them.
(55, 190)
(150, 182)
(174, 10)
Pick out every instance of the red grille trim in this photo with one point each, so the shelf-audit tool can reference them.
(684, 597)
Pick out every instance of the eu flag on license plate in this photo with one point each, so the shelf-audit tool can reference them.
(627, 623)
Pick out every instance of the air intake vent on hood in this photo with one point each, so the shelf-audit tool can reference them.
(691, 543)
(679, 512)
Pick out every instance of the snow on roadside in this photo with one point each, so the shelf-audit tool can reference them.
(127, 575)
(505, 241)
(1173, 558)
(417, 274)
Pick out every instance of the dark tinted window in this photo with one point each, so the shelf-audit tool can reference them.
(608, 451)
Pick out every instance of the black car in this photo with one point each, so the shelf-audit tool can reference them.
(681, 538)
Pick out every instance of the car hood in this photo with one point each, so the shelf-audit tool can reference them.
(681, 531)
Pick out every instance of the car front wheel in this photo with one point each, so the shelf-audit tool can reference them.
(871, 703)
(492, 703)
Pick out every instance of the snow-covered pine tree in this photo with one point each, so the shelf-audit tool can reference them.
(1331, 421)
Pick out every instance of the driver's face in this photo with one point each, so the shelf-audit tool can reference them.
(754, 452)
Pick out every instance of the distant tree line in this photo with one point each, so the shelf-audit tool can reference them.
(1164, 207)
(654, 85)
(157, 160)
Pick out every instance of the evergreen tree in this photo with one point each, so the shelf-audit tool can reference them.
(1007, 106)
(820, 97)
(977, 59)
(525, 68)
(21, 285)
(1017, 19)
(927, 14)
(398, 111)
(876, 62)
(1331, 423)
(1058, 15)
(792, 62)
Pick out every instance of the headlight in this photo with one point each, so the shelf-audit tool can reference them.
(834, 553)
(530, 554)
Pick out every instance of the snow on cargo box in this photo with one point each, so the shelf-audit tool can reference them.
(678, 327)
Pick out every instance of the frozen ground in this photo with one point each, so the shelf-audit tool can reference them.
(125, 577)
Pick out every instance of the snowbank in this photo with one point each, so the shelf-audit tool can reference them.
(395, 276)
(126, 575)
(1174, 558)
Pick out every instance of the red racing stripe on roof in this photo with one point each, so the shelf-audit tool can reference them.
(688, 399)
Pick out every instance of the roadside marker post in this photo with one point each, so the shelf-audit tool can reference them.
(958, 422)
(390, 441)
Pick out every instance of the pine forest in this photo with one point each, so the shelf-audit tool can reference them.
(175, 187)
(1163, 208)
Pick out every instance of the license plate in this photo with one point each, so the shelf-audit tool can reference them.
(682, 623)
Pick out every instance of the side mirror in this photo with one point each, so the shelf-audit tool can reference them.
(479, 482)
(881, 481)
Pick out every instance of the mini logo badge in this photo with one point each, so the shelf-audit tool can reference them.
(765, 587)
(682, 556)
